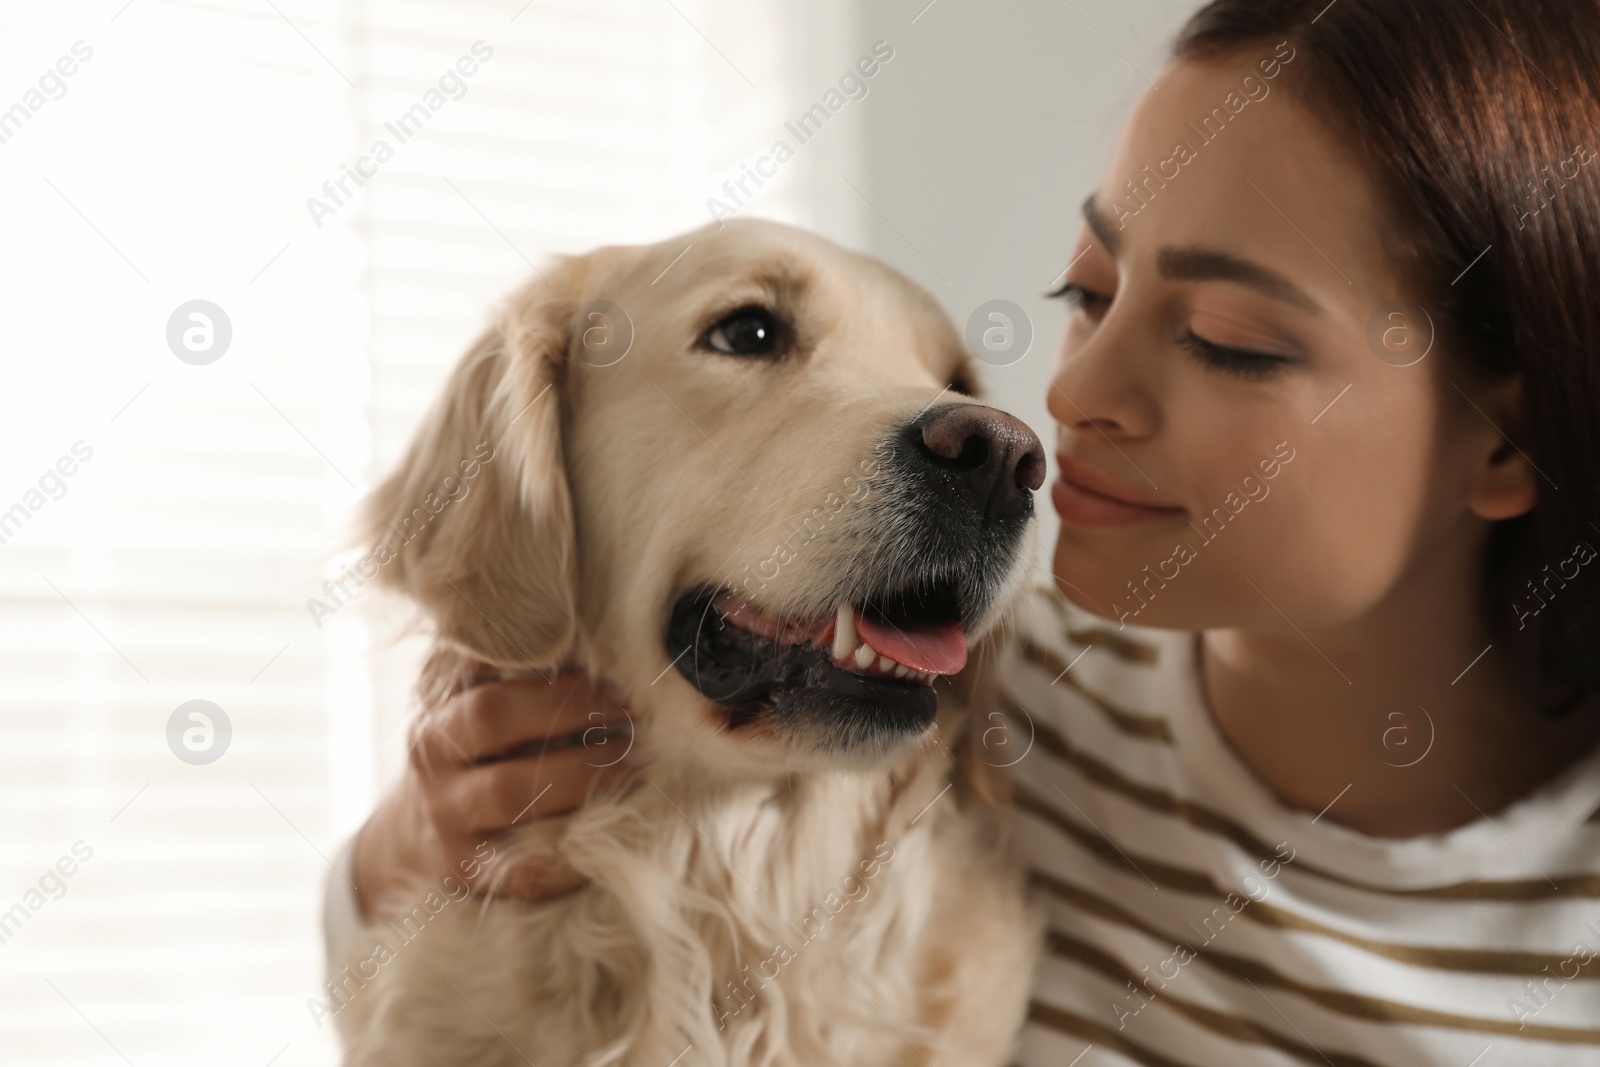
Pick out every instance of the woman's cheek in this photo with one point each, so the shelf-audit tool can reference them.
(1330, 544)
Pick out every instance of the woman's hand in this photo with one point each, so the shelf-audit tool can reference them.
(498, 755)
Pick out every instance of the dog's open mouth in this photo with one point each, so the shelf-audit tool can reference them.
(872, 662)
(869, 640)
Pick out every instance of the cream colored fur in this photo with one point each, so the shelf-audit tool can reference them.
(754, 900)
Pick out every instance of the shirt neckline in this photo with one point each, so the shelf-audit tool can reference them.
(1504, 844)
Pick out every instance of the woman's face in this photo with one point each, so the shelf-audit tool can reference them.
(1218, 369)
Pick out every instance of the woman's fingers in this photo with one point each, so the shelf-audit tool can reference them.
(495, 772)
(497, 796)
(498, 717)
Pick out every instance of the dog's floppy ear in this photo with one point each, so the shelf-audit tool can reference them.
(476, 523)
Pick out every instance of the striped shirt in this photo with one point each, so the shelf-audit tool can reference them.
(1193, 919)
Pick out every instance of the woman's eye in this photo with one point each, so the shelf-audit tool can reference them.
(1240, 362)
(746, 332)
(1080, 299)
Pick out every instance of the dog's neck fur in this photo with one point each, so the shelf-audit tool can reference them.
(722, 889)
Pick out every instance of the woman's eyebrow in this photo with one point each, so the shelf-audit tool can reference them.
(1204, 264)
(1098, 226)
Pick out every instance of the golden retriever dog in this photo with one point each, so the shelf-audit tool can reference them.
(748, 484)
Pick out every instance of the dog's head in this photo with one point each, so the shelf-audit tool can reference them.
(742, 475)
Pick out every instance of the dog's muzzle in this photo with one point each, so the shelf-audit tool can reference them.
(916, 568)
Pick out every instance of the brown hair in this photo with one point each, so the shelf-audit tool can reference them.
(1482, 120)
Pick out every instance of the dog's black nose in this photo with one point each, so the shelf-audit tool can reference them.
(981, 456)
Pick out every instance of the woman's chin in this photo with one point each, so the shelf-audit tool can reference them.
(1085, 581)
(1103, 587)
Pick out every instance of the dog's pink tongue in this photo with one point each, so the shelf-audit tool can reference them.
(932, 648)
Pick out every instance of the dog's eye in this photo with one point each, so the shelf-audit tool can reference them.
(751, 331)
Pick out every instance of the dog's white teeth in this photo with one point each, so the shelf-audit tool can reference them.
(844, 632)
(849, 650)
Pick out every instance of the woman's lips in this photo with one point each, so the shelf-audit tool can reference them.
(1084, 497)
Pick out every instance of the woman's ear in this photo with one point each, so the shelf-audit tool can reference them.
(1503, 482)
(476, 522)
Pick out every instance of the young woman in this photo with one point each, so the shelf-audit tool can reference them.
(1304, 748)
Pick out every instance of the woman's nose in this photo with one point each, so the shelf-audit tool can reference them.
(1101, 383)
